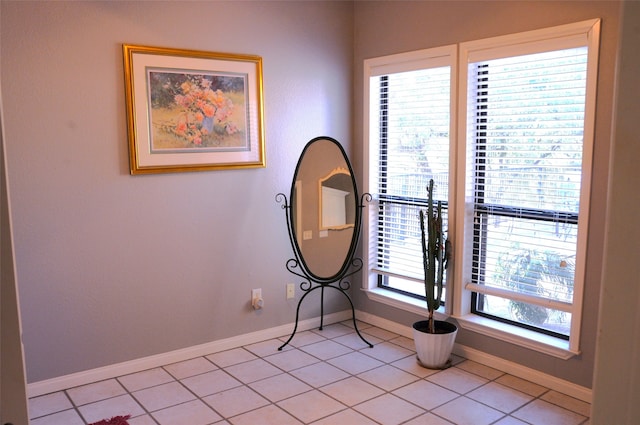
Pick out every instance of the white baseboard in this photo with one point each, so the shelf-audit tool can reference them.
(515, 369)
(386, 324)
(535, 376)
(108, 372)
(125, 368)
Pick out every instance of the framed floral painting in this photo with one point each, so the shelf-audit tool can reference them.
(190, 110)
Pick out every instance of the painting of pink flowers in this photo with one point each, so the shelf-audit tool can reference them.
(192, 110)
(197, 111)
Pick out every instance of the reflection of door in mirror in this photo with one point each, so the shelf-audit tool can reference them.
(297, 211)
(323, 245)
(336, 200)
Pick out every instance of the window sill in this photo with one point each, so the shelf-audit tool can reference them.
(536, 341)
(402, 302)
(504, 332)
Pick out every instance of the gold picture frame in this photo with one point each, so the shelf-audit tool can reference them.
(191, 110)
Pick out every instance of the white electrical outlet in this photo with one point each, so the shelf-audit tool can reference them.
(256, 299)
(291, 291)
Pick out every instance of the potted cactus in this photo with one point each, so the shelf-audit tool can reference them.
(434, 339)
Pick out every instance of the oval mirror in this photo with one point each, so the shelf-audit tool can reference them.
(324, 209)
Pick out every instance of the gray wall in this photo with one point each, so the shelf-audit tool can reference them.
(616, 389)
(13, 400)
(113, 267)
(391, 27)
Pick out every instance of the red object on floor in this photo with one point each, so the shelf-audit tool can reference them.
(116, 420)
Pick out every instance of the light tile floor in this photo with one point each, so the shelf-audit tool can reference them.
(327, 377)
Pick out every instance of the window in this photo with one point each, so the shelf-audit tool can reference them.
(515, 192)
(525, 178)
(411, 107)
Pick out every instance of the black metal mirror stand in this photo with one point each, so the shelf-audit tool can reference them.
(311, 284)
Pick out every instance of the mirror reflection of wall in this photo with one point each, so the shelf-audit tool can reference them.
(323, 243)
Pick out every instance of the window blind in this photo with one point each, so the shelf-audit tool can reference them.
(525, 179)
(413, 126)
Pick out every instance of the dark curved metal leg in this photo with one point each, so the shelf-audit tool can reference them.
(321, 287)
(353, 316)
(321, 307)
(295, 328)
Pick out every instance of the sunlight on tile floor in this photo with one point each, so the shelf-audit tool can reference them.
(327, 377)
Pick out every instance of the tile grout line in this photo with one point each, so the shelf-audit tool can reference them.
(142, 406)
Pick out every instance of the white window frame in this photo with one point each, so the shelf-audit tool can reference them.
(402, 62)
(458, 303)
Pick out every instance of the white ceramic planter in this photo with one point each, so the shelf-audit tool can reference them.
(434, 350)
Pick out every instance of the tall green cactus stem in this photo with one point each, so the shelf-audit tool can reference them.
(434, 247)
